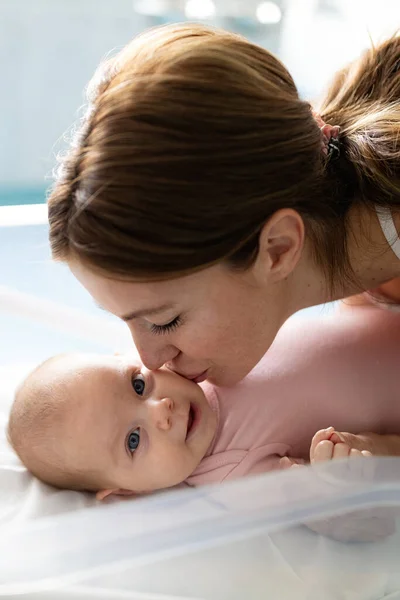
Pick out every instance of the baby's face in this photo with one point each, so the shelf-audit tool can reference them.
(144, 430)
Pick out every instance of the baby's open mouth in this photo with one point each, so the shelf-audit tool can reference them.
(191, 419)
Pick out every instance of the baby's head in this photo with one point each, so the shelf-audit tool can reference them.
(106, 424)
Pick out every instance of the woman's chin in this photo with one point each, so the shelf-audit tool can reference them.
(224, 379)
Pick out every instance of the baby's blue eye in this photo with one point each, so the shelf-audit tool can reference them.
(133, 440)
(138, 385)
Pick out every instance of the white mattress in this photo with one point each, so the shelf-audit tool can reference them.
(241, 540)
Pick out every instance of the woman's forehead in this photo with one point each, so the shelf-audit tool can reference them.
(136, 298)
(120, 297)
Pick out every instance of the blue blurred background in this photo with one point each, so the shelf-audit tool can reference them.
(49, 50)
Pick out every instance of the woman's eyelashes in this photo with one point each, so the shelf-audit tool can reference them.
(168, 327)
(133, 440)
(138, 384)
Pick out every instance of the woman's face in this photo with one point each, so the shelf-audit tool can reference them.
(215, 324)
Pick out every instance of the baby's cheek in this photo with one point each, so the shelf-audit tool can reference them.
(172, 467)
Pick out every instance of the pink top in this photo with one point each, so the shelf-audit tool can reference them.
(342, 372)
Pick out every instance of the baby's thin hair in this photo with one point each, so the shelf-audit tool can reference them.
(26, 410)
(36, 416)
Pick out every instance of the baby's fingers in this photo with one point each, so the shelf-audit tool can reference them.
(287, 463)
(358, 442)
(320, 436)
(354, 453)
(341, 450)
(323, 451)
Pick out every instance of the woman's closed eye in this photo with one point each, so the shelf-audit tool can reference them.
(160, 329)
(133, 440)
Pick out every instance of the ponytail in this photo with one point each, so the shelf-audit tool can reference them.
(364, 99)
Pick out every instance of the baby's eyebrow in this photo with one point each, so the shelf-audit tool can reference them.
(135, 369)
(129, 362)
(117, 445)
(118, 425)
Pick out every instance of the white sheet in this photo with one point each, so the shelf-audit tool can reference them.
(224, 543)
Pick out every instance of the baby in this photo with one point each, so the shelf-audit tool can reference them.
(107, 424)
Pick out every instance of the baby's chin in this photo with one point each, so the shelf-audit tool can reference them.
(180, 477)
(185, 463)
(169, 484)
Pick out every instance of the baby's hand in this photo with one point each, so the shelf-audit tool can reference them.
(328, 444)
(363, 525)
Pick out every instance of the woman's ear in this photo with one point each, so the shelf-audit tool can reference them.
(280, 244)
(102, 494)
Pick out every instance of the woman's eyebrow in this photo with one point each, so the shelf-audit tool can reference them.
(147, 312)
(144, 312)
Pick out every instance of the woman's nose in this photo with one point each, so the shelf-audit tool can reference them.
(162, 413)
(153, 361)
(154, 353)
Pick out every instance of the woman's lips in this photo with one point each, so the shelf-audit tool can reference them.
(195, 378)
(200, 378)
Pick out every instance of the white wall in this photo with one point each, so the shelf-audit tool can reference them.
(321, 36)
(50, 48)
(48, 51)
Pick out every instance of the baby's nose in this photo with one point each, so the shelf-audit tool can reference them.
(162, 413)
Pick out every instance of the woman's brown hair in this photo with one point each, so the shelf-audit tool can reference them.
(194, 137)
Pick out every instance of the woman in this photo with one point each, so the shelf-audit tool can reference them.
(204, 203)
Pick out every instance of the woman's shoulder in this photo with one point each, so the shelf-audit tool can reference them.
(386, 296)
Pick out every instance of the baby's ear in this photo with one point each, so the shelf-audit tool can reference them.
(102, 494)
